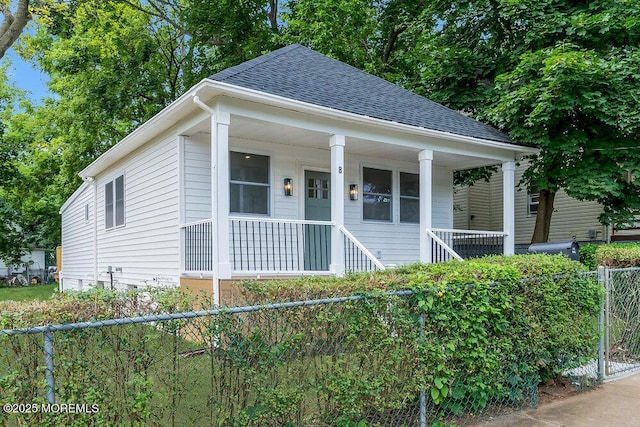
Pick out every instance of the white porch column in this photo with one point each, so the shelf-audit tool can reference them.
(508, 208)
(220, 194)
(337, 143)
(426, 206)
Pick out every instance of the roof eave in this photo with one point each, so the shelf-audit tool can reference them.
(184, 103)
(154, 126)
(73, 197)
(280, 101)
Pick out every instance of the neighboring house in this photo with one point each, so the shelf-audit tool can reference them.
(480, 207)
(291, 163)
(31, 265)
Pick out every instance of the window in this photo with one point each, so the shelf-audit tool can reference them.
(317, 188)
(376, 194)
(249, 183)
(114, 203)
(409, 197)
(533, 197)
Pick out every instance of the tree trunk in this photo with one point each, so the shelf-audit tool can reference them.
(12, 25)
(543, 217)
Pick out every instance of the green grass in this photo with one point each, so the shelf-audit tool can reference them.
(28, 293)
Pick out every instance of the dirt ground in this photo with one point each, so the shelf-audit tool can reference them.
(554, 390)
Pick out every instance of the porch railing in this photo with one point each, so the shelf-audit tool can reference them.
(269, 245)
(447, 244)
(259, 245)
(197, 253)
(357, 257)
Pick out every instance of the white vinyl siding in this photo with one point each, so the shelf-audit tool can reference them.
(78, 247)
(147, 249)
(197, 177)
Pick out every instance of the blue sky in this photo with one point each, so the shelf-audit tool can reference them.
(26, 77)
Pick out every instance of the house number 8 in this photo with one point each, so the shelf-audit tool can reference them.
(339, 169)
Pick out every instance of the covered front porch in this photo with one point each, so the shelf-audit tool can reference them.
(322, 196)
(279, 247)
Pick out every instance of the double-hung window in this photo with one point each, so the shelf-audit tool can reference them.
(376, 194)
(249, 183)
(114, 203)
(409, 197)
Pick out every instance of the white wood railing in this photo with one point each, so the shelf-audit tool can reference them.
(357, 257)
(448, 244)
(274, 246)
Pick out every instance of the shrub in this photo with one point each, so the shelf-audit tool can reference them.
(537, 308)
(491, 329)
(619, 255)
(588, 256)
(93, 304)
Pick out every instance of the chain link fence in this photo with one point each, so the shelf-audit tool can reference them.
(622, 313)
(348, 361)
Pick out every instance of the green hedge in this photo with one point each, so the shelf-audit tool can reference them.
(618, 255)
(545, 306)
(492, 329)
(93, 304)
(588, 255)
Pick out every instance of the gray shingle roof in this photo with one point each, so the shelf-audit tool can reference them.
(299, 73)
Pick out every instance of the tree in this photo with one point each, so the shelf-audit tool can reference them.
(368, 34)
(13, 23)
(112, 67)
(556, 73)
(12, 241)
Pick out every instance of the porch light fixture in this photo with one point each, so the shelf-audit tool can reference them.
(353, 192)
(288, 187)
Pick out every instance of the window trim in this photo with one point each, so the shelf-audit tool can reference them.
(114, 202)
(269, 184)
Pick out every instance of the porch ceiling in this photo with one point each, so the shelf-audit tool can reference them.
(257, 130)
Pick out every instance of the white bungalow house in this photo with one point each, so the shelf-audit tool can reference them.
(292, 163)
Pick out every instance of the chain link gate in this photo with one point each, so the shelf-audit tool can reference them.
(622, 320)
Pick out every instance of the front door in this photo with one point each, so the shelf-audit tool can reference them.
(317, 207)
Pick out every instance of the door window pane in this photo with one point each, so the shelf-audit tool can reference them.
(318, 188)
